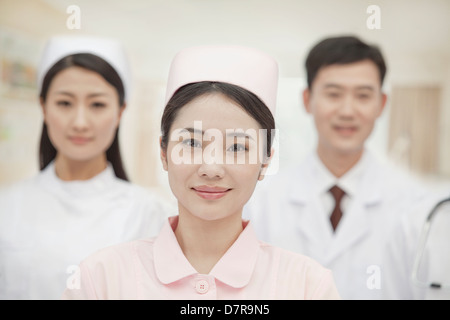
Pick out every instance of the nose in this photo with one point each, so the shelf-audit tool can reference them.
(80, 121)
(347, 109)
(211, 171)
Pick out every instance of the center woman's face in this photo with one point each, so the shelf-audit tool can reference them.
(213, 157)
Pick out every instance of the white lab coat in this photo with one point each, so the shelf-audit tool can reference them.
(48, 225)
(286, 211)
(401, 250)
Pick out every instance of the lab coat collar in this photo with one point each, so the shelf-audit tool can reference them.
(371, 185)
(301, 183)
(235, 268)
(308, 179)
(93, 187)
(323, 178)
(351, 180)
(304, 192)
(356, 222)
(312, 178)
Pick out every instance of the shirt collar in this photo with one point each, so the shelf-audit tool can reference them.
(235, 268)
(349, 182)
(324, 179)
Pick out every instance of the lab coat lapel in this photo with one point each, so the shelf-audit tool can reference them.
(311, 220)
(356, 223)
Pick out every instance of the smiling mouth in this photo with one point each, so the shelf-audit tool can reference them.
(211, 193)
(80, 140)
(345, 130)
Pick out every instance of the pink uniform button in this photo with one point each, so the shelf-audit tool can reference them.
(202, 286)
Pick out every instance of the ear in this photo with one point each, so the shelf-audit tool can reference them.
(163, 155)
(121, 110)
(306, 99)
(383, 103)
(265, 165)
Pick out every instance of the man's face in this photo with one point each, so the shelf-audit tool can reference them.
(345, 100)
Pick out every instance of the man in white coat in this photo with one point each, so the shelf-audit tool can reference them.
(339, 205)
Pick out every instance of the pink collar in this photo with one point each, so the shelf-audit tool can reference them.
(235, 268)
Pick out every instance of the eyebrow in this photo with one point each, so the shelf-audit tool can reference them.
(337, 86)
(92, 95)
(239, 135)
(332, 85)
(230, 134)
(193, 130)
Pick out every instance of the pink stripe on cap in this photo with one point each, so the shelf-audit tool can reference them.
(248, 68)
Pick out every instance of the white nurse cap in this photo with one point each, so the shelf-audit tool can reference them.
(248, 68)
(109, 50)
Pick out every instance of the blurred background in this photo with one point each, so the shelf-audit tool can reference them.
(414, 35)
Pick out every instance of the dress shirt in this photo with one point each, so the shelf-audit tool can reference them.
(349, 182)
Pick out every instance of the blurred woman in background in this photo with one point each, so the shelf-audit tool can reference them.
(81, 200)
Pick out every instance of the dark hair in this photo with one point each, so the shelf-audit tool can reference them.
(342, 50)
(47, 151)
(246, 99)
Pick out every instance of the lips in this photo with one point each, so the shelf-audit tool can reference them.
(210, 192)
(79, 140)
(345, 130)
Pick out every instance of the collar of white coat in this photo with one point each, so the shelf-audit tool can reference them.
(235, 268)
(362, 179)
(349, 182)
(79, 188)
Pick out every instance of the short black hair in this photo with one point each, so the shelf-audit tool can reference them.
(342, 50)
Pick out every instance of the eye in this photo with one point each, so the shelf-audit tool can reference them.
(98, 105)
(63, 103)
(237, 148)
(333, 95)
(192, 143)
(363, 96)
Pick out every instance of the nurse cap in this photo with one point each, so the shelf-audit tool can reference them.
(109, 50)
(245, 67)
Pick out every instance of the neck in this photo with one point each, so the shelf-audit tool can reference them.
(339, 163)
(69, 170)
(204, 242)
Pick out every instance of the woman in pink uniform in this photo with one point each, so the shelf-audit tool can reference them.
(215, 146)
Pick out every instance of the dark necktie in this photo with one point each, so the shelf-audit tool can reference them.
(336, 215)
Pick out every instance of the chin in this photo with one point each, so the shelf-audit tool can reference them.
(350, 150)
(210, 214)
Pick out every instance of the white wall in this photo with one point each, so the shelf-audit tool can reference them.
(445, 125)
